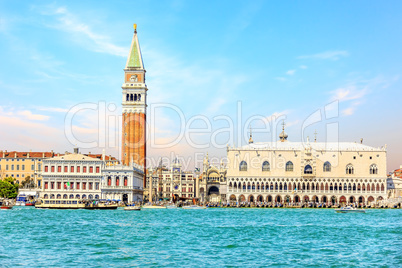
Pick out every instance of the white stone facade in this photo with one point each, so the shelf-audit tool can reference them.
(123, 183)
(286, 171)
(82, 177)
(71, 176)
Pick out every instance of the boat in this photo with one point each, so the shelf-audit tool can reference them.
(153, 207)
(194, 207)
(171, 206)
(129, 208)
(73, 204)
(350, 210)
(6, 204)
(21, 200)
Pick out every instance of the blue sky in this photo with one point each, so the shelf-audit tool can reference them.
(277, 58)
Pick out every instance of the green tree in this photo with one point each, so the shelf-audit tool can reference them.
(8, 188)
(28, 182)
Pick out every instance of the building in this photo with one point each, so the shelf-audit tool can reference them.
(152, 174)
(394, 184)
(72, 176)
(173, 182)
(134, 104)
(20, 165)
(123, 183)
(212, 182)
(285, 171)
(90, 177)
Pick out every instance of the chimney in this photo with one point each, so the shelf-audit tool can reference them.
(43, 155)
(28, 154)
(103, 154)
(76, 151)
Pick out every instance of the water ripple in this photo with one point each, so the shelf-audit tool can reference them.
(212, 237)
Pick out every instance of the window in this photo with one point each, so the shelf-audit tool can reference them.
(58, 168)
(39, 183)
(65, 168)
(90, 186)
(308, 169)
(109, 181)
(78, 169)
(265, 166)
(72, 169)
(52, 168)
(349, 169)
(18, 167)
(117, 181)
(91, 169)
(125, 181)
(84, 169)
(46, 184)
(77, 186)
(97, 169)
(22, 167)
(243, 166)
(84, 186)
(58, 185)
(373, 169)
(96, 185)
(289, 166)
(12, 167)
(52, 185)
(7, 166)
(39, 167)
(32, 167)
(327, 167)
(46, 168)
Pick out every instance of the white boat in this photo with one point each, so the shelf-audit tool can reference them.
(153, 207)
(349, 210)
(194, 207)
(171, 206)
(132, 208)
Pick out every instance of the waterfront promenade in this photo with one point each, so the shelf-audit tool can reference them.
(199, 238)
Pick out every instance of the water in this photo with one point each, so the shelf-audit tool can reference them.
(211, 237)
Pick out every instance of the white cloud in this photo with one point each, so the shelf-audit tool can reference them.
(303, 67)
(348, 111)
(327, 55)
(83, 34)
(291, 72)
(349, 92)
(30, 116)
(52, 109)
(353, 93)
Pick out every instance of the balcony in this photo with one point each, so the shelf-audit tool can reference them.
(106, 187)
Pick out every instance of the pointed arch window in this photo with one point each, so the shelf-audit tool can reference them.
(308, 169)
(266, 166)
(373, 169)
(327, 167)
(243, 166)
(349, 169)
(289, 166)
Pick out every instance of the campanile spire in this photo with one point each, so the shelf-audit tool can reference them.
(134, 104)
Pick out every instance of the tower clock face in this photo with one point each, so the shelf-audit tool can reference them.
(176, 186)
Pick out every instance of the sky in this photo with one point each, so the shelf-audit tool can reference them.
(215, 69)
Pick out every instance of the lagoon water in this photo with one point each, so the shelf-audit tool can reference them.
(211, 237)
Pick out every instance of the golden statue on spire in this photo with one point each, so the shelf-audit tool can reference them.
(135, 27)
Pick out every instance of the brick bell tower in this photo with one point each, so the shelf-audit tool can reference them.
(134, 106)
